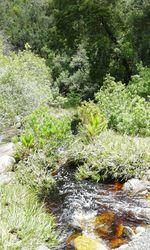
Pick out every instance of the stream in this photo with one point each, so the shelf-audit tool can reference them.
(94, 209)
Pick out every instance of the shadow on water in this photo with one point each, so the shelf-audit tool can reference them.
(100, 210)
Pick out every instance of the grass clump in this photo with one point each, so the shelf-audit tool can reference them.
(24, 224)
(111, 156)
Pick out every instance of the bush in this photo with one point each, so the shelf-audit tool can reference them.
(71, 73)
(24, 85)
(42, 147)
(111, 157)
(92, 120)
(140, 84)
(44, 128)
(126, 112)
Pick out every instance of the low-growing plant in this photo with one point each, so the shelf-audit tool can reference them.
(24, 224)
(35, 171)
(92, 120)
(111, 156)
(27, 140)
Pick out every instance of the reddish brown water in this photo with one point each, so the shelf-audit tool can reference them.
(101, 210)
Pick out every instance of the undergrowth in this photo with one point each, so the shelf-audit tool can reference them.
(24, 223)
(111, 156)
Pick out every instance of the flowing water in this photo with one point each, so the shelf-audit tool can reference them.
(96, 210)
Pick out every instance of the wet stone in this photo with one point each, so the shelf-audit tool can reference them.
(87, 243)
(135, 186)
(139, 243)
(128, 232)
(139, 230)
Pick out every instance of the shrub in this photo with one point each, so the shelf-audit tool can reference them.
(126, 112)
(42, 147)
(24, 85)
(34, 171)
(111, 157)
(44, 128)
(71, 73)
(92, 120)
(140, 84)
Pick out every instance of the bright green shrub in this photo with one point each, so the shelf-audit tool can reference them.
(126, 112)
(92, 120)
(42, 148)
(45, 133)
(24, 85)
(140, 84)
(45, 128)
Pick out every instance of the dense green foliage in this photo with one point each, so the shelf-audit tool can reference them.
(75, 82)
(91, 120)
(82, 40)
(41, 148)
(126, 111)
(65, 54)
(111, 156)
(140, 83)
(24, 85)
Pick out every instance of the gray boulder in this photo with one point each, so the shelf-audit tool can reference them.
(135, 186)
(6, 149)
(6, 162)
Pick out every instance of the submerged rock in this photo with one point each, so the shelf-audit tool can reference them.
(144, 213)
(87, 243)
(128, 232)
(135, 186)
